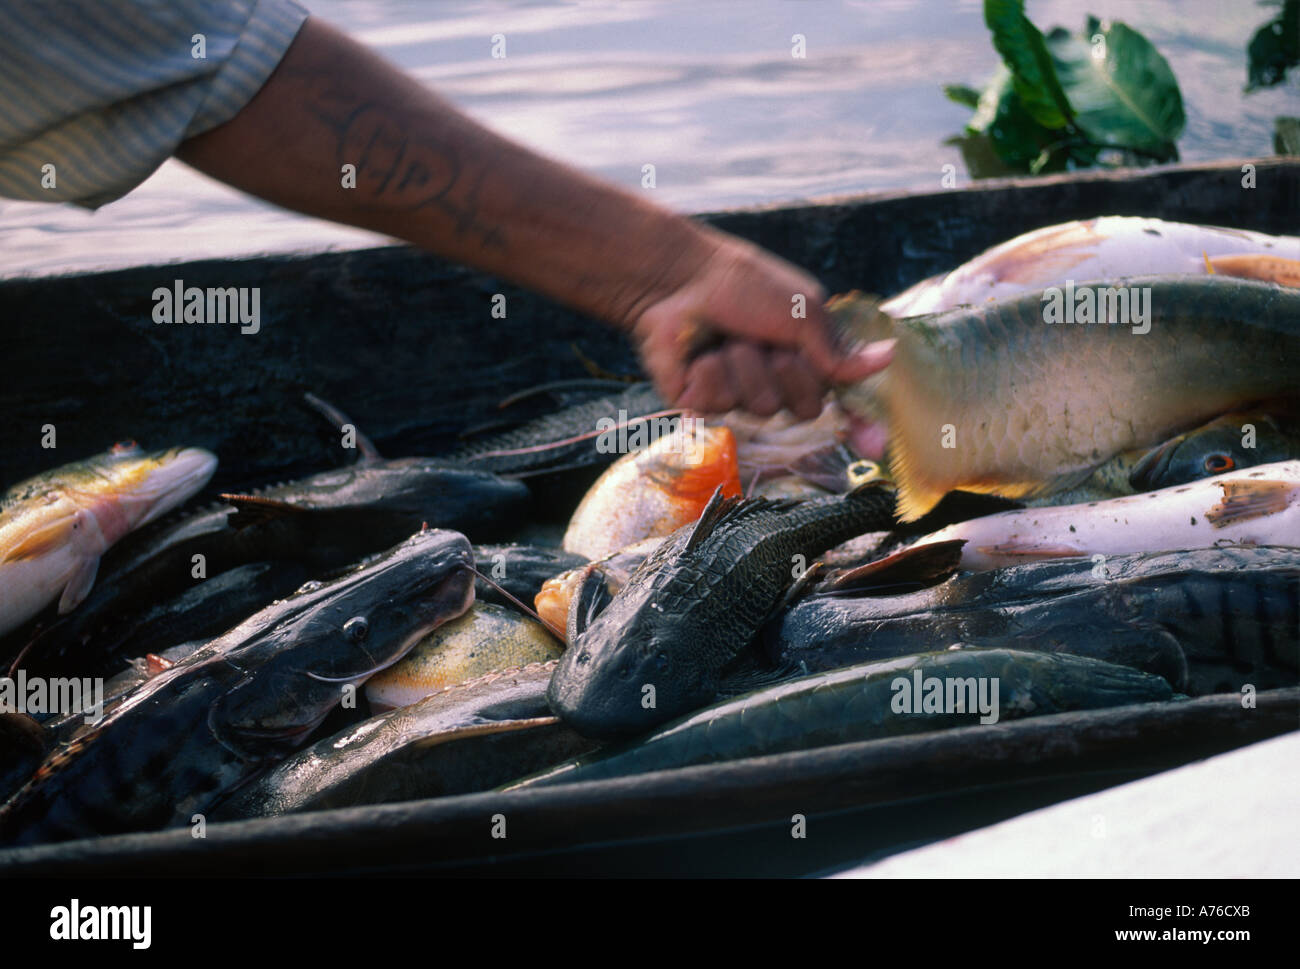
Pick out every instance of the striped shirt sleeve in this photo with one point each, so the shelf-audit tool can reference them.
(96, 94)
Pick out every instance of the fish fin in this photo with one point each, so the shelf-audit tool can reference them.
(155, 664)
(918, 564)
(1013, 552)
(856, 319)
(826, 467)
(714, 513)
(722, 510)
(79, 584)
(1245, 499)
(1271, 269)
(45, 539)
(917, 497)
(799, 587)
(367, 452)
(748, 672)
(488, 729)
(697, 482)
(257, 510)
(589, 600)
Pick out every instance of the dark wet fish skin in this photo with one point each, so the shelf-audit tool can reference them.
(1224, 616)
(520, 570)
(185, 738)
(638, 400)
(1217, 447)
(854, 704)
(695, 604)
(470, 737)
(341, 515)
(23, 745)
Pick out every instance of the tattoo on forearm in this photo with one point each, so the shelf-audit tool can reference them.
(417, 169)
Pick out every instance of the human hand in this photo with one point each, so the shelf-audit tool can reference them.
(764, 355)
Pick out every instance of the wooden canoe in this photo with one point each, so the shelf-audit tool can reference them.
(405, 344)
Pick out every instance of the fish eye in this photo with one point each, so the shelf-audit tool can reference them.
(356, 628)
(1219, 463)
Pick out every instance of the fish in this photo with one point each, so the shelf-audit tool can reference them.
(555, 600)
(993, 399)
(54, 528)
(1207, 620)
(1103, 248)
(320, 524)
(661, 646)
(1253, 506)
(861, 703)
(187, 737)
(522, 570)
(566, 439)
(469, 737)
(485, 639)
(1241, 439)
(652, 492)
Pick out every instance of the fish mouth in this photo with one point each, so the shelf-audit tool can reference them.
(1153, 465)
(180, 475)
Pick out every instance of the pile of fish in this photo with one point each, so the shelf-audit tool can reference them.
(1071, 514)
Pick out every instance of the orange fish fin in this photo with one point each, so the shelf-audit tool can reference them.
(706, 467)
(155, 664)
(1245, 499)
(1272, 269)
(924, 564)
(47, 538)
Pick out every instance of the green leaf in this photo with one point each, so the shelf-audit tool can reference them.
(962, 94)
(1126, 98)
(1275, 48)
(1014, 134)
(1025, 54)
(1286, 136)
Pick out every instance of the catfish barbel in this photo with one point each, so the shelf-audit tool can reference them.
(858, 703)
(195, 732)
(55, 527)
(998, 400)
(660, 647)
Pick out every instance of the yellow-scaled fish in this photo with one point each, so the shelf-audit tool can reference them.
(485, 639)
(1029, 396)
(55, 527)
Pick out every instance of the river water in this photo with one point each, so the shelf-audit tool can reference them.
(707, 91)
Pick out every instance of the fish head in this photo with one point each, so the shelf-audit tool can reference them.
(1228, 443)
(336, 635)
(127, 487)
(414, 490)
(621, 677)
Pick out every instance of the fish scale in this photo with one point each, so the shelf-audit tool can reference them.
(194, 732)
(694, 605)
(1036, 407)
